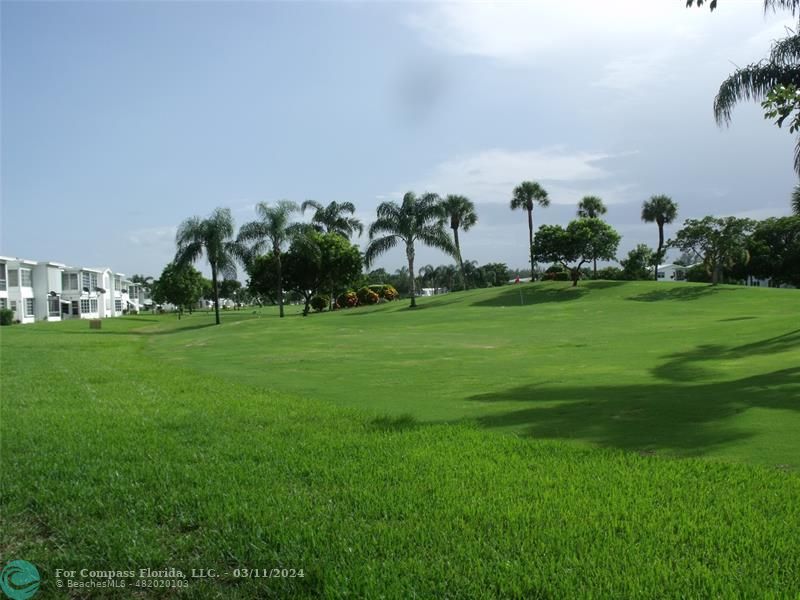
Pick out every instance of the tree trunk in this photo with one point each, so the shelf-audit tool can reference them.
(716, 273)
(530, 238)
(216, 290)
(280, 284)
(460, 259)
(576, 274)
(660, 246)
(594, 273)
(413, 283)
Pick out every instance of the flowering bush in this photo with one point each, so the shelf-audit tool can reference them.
(385, 292)
(347, 300)
(320, 302)
(367, 296)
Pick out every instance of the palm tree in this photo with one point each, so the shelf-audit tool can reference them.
(659, 210)
(461, 213)
(526, 195)
(591, 207)
(796, 200)
(273, 230)
(415, 219)
(214, 236)
(333, 218)
(427, 274)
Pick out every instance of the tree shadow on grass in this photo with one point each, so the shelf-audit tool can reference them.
(688, 365)
(681, 414)
(526, 295)
(391, 423)
(690, 292)
(684, 419)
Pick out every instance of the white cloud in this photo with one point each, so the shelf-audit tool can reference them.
(491, 175)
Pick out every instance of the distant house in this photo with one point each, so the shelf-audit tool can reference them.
(673, 272)
(19, 285)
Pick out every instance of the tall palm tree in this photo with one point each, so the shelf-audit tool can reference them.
(796, 200)
(414, 220)
(659, 210)
(273, 230)
(591, 207)
(427, 275)
(460, 211)
(526, 195)
(214, 237)
(333, 218)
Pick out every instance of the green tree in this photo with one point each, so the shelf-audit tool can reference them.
(416, 219)
(637, 265)
(775, 250)
(576, 244)
(263, 281)
(214, 237)
(660, 210)
(179, 284)
(459, 213)
(721, 242)
(273, 230)
(591, 207)
(229, 288)
(526, 195)
(321, 262)
(495, 274)
(334, 218)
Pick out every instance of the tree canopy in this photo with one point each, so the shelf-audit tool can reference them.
(576, 244)
(721, 242)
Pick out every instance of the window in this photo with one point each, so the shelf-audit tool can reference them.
(28, 307)
(661, 275)
(3, 277)
(13, 278)
(14, 307)
(93, 304)
(93, 279)
(84, 306)
(117, 283)
(118, 305)
(85, 280)
(25, 278)
(54, 306)
(75, 309)
(3, 303)
(69, 281)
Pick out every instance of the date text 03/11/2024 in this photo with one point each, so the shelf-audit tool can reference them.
(247, 573)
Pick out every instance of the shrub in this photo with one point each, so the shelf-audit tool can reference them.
(347, 300)
(367, 296)
(612, 273)
(6, 316)
(555, 273)
(384, 291)
(320, 302)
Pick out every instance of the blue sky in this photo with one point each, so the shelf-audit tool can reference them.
(119, 120)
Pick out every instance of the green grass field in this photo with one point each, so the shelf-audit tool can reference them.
(655, 448)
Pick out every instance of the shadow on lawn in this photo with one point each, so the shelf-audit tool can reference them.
(681, 415)
(142, 330)
(684, 419)
(690, 292)
(525, 295)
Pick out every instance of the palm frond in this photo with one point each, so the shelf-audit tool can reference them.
(796, 200)
(310, 204)
(379, 246)
(436, 237)
(752, 82)
(786, 52)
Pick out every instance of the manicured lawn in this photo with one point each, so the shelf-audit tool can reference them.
(681, 369)
(157, 443)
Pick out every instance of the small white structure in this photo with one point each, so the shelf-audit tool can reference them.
(4, 280)
(673, 272)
